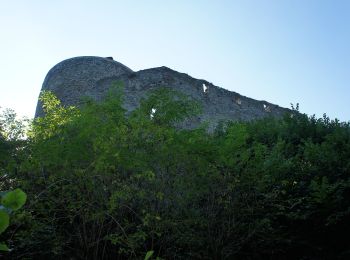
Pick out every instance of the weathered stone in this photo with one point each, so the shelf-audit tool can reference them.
(90, 76)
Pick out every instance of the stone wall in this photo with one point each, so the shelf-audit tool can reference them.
(90, 76)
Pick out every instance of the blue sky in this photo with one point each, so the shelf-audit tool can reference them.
(281, 51)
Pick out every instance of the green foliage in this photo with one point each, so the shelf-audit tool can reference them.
(12, 141)
(10, 201)
(11, 127)
(4, 247)
(103, 185)
(149, 255)
(169, 106)
(4, 220)
(14, 200)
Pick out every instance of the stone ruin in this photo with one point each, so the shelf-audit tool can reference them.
(74, 78)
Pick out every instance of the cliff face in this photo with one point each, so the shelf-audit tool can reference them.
(92, 76)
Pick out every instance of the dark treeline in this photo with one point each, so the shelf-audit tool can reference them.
(102, 185)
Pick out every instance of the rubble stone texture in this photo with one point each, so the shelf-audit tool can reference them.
(74, 78)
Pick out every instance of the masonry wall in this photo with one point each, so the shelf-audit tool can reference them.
(90, 76)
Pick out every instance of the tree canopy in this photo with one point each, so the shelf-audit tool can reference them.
(105, 185)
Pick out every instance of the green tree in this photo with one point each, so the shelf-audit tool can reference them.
(105, 185)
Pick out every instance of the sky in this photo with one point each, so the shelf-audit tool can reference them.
(281, 51)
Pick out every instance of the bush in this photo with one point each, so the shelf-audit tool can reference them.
(105, 186)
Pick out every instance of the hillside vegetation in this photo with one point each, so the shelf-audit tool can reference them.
(102, 185)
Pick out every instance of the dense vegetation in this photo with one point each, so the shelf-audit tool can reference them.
(102, 185)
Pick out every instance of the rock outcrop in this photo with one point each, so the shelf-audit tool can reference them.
(74, 78)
